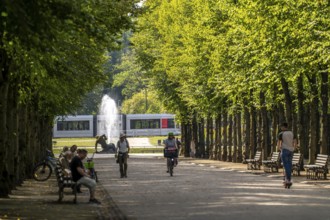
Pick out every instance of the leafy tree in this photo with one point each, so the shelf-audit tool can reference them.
(52, 54)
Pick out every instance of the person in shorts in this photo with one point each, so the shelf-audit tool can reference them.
(123, 151)
(80, 176)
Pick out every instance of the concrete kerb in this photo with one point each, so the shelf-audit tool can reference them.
(108, 208)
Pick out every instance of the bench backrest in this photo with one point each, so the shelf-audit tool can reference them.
(297, 158)
(60, 176)
(275, 156)
(257, 156)
(321, 160)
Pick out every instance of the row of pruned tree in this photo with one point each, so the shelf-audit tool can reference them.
(239, 68)
(52, 52)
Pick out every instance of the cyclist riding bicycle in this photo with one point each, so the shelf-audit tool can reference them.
(170, 145)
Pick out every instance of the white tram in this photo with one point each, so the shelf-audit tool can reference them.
(130, 124)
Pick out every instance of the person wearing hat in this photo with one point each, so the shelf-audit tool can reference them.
(170, 143)
(122, 155)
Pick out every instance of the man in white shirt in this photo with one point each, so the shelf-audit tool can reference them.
(287, 144)
(123, 151)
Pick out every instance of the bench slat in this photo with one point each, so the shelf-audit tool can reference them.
(272, 164)
(254, 164)
(64, 182)
(319, 169)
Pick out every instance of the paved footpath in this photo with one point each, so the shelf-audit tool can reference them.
(206, 189)
(200, 189)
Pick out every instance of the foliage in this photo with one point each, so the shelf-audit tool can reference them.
(143, 103)
(52, 53)
(59, 47)
(209, 54)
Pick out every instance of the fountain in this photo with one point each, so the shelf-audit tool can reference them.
(108, 123)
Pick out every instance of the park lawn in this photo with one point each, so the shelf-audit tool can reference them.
(133, 150)
(154, 140)
(146, 150)
(89, 143)
(85, 142)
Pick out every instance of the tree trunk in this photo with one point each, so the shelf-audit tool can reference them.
(313, 120)
(187, 138)
(302, 123)
(217, 137)
(212, 145)
(253, 131)
(207, 145)
(234, 125)
(325, 106)
(4, 88)
(201, 137)
(288, 102)
(23, 146)
(224, 136)
(265, 127)
(259, 131)
(275, 121)
(275, 129)
(230, 139)
(247, 132)
(12, 126)
(239, 137)
(4, 174)
(195, 136)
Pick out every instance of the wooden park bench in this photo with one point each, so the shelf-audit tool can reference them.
(273, 164)
(64, 182)
(319, 169)
(255, 163)
(296, 163)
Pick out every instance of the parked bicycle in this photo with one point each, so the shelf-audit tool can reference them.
(44, 169)
(89, 165)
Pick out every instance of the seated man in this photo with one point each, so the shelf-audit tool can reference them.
(105, 147)
(81, 177)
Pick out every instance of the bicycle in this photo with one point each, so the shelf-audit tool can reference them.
(44, 169)
(89, 165)
(170, 164)
(171, 155)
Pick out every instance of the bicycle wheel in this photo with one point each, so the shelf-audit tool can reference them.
(94, 174)
(171, 167)
(42, 172)
(95, 177)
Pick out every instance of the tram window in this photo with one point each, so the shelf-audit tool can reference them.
(170, 123)
(72, 125)
(145, 123)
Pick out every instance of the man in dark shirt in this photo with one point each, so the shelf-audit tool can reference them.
(80, 176)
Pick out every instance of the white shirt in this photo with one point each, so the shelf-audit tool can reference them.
(122, 146)
(287, 140)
